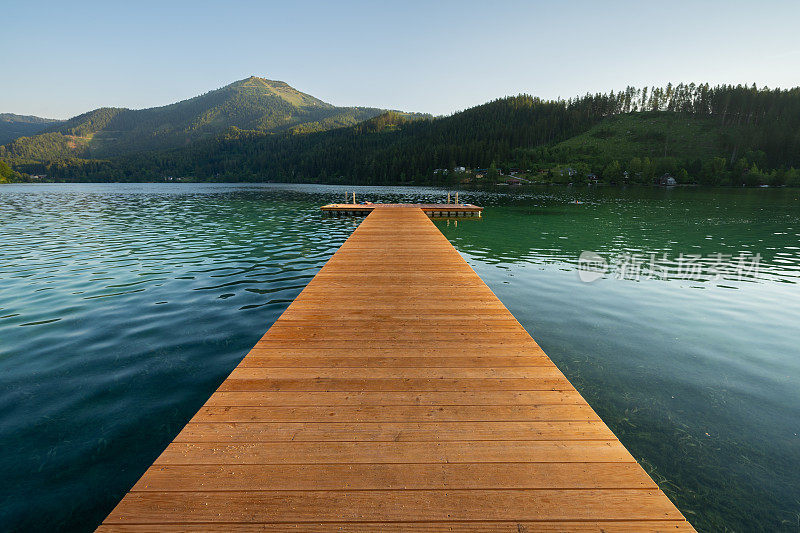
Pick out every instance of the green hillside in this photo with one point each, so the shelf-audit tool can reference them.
(15, 126)
(724, 135)
(251, 104)
(652, 135)
(390, 148)
(641, 147)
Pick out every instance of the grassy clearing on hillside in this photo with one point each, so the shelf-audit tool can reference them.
(652, 135)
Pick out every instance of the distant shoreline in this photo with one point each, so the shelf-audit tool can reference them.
(462, 187)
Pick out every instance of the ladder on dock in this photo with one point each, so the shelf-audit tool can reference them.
(396, 393)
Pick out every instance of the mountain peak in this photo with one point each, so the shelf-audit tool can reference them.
(256, 80)
(253, 103)
(281, 89)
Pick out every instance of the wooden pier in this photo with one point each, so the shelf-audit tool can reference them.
(396, 393)
(432, 210)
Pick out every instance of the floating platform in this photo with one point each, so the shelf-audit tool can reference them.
(396, 393)
(432, 210)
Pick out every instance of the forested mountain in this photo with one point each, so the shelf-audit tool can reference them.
(252, 104)
(15, 126)
(392, 147)
(724, 135)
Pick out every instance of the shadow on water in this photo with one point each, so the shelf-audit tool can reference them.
(122, 307)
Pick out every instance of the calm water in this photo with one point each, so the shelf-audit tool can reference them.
(122, 307)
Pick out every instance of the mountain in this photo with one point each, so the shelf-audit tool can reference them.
(723, 135)
(390, 148)
(15, 126)
(251, 104)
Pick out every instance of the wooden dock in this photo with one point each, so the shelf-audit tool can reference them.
(396, 393)
(432, 210)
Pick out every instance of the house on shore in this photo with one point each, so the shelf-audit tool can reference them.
(666, 181)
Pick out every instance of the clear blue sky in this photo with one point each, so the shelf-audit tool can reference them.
(58, 59)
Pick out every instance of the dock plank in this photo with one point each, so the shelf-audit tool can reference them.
(398, 413)
(395, 505)
(396, 393)
(311, 399)
(391, 431)
(360, 476)
(508, 526)
(334, 452)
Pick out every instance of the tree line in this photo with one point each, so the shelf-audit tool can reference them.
(751, 136)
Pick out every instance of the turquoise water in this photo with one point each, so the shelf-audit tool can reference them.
(122, 307)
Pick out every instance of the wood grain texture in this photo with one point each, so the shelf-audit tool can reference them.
(396, 393)
(509, 526)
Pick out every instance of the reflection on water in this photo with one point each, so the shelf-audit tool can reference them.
(122, 307)
(698, 375)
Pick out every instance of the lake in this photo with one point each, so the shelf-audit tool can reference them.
(122, 307)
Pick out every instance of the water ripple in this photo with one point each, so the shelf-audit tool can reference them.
(122, 307)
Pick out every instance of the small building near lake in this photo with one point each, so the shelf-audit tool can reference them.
(666, 181)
